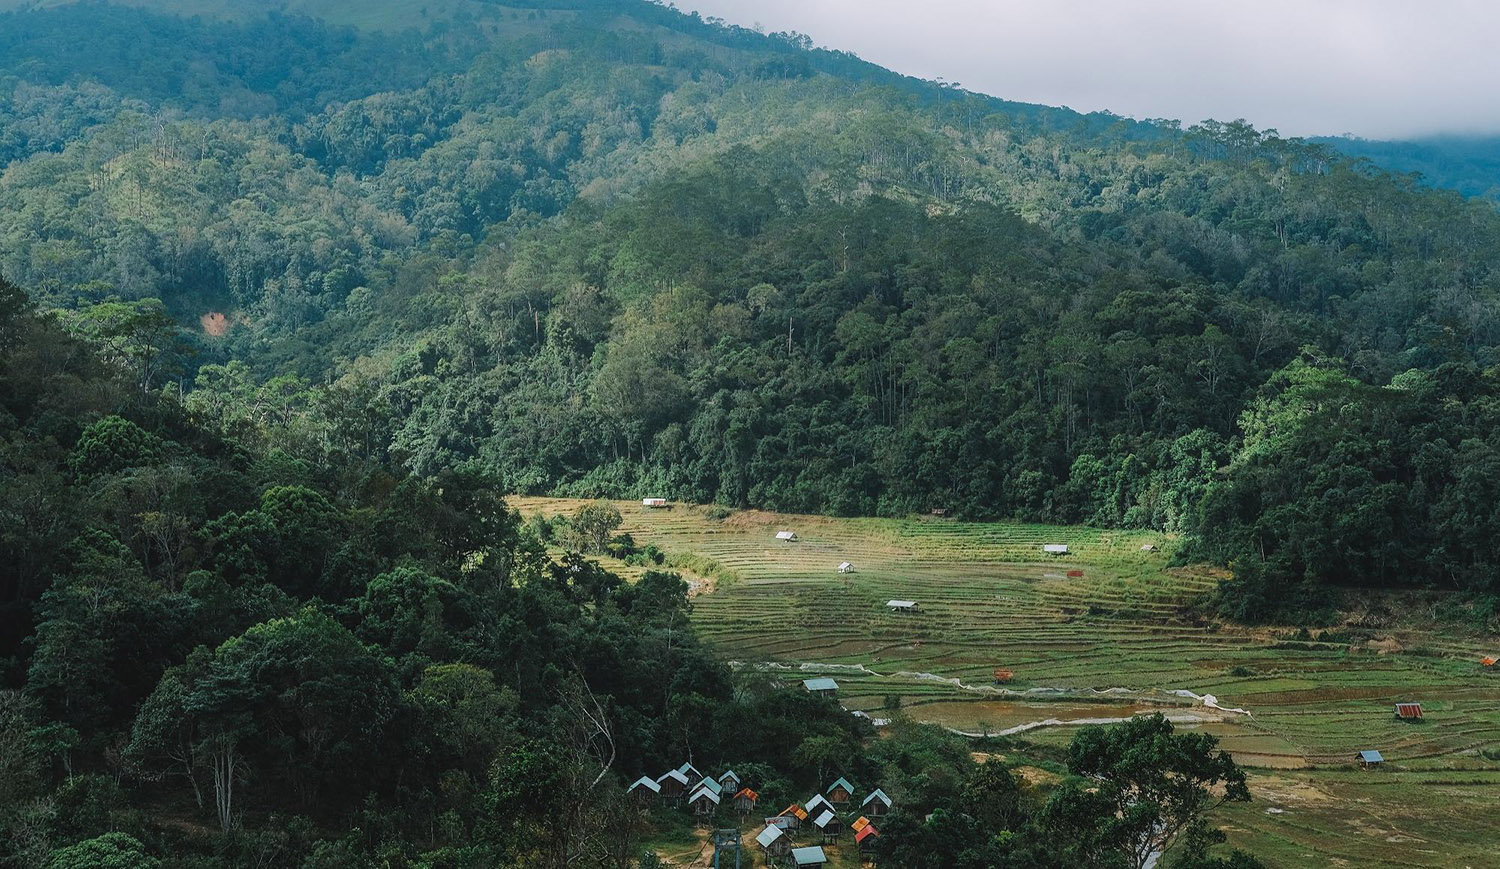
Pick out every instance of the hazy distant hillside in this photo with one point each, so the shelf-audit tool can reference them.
(1470, 165)
(602, 247)
(385, 14)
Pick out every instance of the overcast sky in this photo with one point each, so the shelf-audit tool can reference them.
(1375, 68)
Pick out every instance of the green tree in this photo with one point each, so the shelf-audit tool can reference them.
(1146, 788)
(114, 444)
(594, 524)
(109, 851)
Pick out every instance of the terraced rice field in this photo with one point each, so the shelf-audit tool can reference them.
(1110, 643)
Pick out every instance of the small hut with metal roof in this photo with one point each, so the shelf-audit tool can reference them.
(775, 842)
(744, 801)
(673, 784)
(818, 803)
(790, 819)
(829, 825)
(821, 685)
(645, 787)
(840, 792)
(704, 800)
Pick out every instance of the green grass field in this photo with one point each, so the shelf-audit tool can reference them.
(1115, 641)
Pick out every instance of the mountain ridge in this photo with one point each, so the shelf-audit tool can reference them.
(722, 265)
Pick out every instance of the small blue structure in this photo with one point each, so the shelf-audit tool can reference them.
(821, 685)
(726, 842)
(1368, 759)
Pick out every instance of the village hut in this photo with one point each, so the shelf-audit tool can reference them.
(790, 819)
(1488, 662)
(744, 801)
(845, 567)
(1408, 712)
(829, 825)
(788, 536)
(645, 788)
(673, 784)
(1055, 548)
(903, 606)
(876, 804)
(1370, 759)
(867, 838)
(822, 685)
(818, 803)
(690, 772)
(654, 503)
(1148, 547)
(729, 780)
(809, 858)
(704, 801)
(775, 842)
(840, 792)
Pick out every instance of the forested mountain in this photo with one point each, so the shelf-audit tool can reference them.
(1468, 164)
(604, 248)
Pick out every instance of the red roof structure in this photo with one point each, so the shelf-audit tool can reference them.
(1408, 710)
(866, 832)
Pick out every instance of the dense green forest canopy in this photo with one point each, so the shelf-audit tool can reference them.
(604, 248)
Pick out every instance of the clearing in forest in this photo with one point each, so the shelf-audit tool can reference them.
(1102, 632)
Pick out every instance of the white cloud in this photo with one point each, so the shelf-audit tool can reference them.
(1377, 68)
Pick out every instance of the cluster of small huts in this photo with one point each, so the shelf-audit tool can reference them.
(826, 818)
(703, 794)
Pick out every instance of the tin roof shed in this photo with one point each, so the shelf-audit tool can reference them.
(768, 836)
(646, 782)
